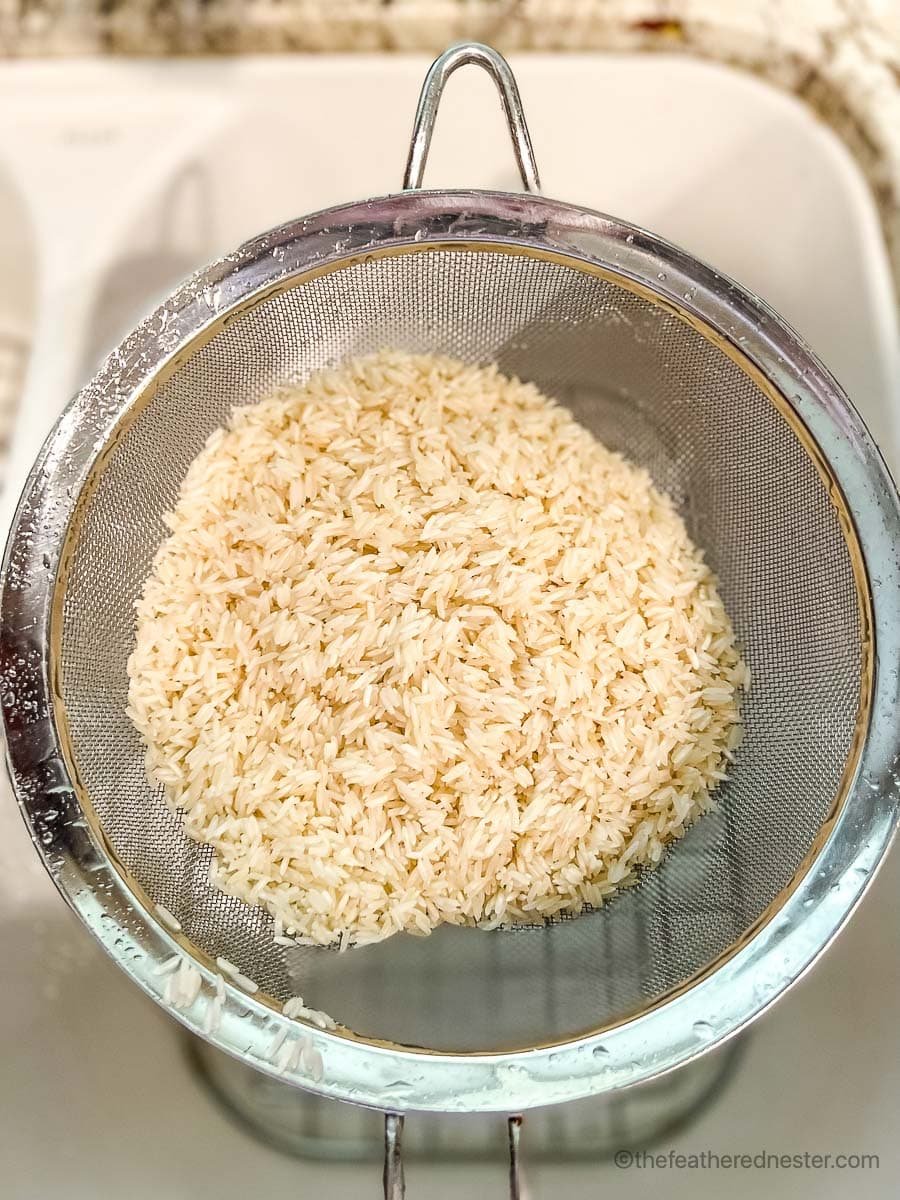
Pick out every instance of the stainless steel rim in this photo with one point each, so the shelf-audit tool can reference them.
(676, 1030)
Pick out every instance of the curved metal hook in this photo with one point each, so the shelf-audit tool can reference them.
(429, 100)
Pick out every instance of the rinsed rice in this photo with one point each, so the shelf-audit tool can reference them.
(277, 1042)
(311, 1061)
(287, 1056)
(419, 649)
(294, 1007)
(168, 918)
(183, 985)
(212, 1018)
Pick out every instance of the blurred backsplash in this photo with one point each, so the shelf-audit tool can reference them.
(785, 29)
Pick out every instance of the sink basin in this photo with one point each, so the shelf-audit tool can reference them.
(18, 279)
(116, 180)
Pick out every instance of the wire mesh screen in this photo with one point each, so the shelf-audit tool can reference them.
(647, 384)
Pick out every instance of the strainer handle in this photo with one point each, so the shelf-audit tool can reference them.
(394, 1182)
(429, 100)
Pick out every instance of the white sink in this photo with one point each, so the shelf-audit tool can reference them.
(116, 179)
(18, 288)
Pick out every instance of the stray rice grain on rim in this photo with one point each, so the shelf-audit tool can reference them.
(419, 649)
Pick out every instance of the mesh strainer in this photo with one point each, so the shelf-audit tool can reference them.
(663, 359)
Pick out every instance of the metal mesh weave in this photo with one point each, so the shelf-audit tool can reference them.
(645, 383)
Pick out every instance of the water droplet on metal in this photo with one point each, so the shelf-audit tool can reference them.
(511, 1071)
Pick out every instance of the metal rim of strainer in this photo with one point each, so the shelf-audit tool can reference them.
(83, 866)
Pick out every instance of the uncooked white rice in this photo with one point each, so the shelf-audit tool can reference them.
(212, 1017)
(168, 918)
(182, 984)
(297, 1054)
(245, 982)
(296, 1009)
(419, 649)
(311, 1060)
(287, 1056)
(277, 1042)
(188, 981)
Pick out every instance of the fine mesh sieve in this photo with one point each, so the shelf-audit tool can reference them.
(662, 359)
(646, 384)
